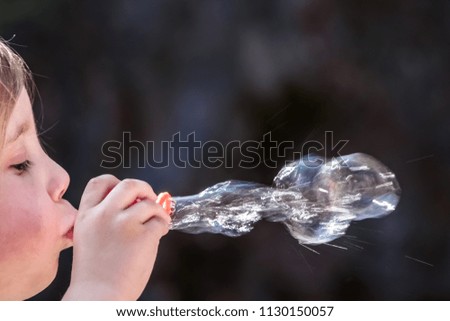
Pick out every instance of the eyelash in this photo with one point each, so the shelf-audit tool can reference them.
(22, 167)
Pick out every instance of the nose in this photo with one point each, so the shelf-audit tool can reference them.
(58, 182)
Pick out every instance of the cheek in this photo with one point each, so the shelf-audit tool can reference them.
(25, 228)
(20, 231)
(28, 244)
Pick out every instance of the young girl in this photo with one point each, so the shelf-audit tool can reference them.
(115, 232)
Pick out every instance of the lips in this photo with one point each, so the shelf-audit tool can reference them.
(69, 234)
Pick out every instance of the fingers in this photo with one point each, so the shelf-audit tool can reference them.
(147, 210)
(125, 193)
(134, 198)
(96, 190)
(157, 227)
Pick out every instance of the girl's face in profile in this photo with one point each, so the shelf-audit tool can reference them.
(35, 221)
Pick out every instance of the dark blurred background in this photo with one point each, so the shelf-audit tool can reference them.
(375, 73)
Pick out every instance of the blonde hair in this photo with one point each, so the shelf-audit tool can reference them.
(14, 76)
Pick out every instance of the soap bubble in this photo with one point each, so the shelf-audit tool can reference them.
(315, 199)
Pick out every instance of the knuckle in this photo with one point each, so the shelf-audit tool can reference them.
(130, 183)
(159, 226)
(101, 179)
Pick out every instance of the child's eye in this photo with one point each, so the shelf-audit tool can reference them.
(22, 167)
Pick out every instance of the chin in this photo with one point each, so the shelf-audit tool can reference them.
(41, 281)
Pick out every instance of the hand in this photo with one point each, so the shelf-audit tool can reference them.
(116, 237)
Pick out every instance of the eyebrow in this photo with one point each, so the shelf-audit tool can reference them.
(22, 128)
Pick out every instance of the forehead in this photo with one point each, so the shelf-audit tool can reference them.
(21, 118)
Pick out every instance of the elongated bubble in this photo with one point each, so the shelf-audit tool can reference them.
(314, 199)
